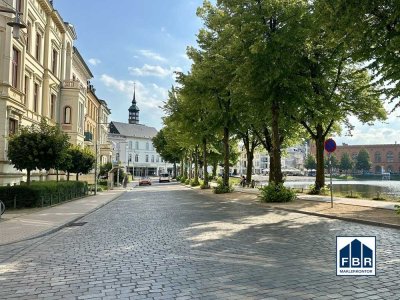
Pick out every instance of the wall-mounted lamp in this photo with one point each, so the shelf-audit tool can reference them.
(16, 24)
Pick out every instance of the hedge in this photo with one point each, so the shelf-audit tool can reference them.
(43, 193)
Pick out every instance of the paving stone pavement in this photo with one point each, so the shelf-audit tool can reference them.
(169, 242)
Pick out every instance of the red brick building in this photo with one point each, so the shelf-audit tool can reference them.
(384, 158)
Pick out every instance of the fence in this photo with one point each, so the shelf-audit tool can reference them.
(40, 195)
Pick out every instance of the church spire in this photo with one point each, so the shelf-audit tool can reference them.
(134, 110)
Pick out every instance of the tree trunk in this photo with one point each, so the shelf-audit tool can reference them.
(57, 175)
(271, 168)
(181, 168)
(185, 168)
(226, 157)
(276, 144)
(28, 177)
(67, 176)
(190, 166)
(174, 171)
(205, 175)
(196, 165)
(77, 176)
(214, 169)
(319, 145)
(249, 172)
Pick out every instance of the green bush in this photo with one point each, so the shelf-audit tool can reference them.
(194, 183)
(276, 193)
(203, 186)
(221, 189)
(183, 179)
(187, 181)
(397, 208)
(323, 191)
(41, 193)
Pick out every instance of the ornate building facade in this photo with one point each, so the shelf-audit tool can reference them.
(42, 75)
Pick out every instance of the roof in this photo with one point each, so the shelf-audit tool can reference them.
(133, 130)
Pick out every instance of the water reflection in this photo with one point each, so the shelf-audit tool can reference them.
(368, 188)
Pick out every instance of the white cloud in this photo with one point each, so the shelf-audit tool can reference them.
(148, 96)
(94, 61)
(152, 55)
(158, 71)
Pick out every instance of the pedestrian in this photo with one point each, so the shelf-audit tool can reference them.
(243, 181)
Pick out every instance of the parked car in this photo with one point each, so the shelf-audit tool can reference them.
(164, 177)
(144, 181)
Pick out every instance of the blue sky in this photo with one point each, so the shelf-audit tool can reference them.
(144, 42)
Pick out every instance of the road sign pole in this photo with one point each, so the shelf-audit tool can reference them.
(330, 168)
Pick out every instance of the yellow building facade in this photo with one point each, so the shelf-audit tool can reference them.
(42, 75)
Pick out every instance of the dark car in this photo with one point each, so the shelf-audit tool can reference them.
(144, 181)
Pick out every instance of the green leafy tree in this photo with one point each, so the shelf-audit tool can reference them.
(334, 162)
(346, 163)
(82, 161)
(37, 147)
(310, 162)
(363, 162)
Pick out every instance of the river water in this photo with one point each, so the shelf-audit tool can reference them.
(365, 188)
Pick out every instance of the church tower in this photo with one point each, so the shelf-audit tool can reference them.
(134, 110)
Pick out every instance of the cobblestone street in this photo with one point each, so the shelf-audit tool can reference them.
(170, 242)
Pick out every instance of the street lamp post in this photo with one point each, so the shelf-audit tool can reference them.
(16, 24)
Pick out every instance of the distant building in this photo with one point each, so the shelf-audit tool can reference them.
(384, 158)
(133, 146)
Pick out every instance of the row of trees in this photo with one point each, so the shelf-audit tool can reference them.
(45, 147)
(361, 162)
(276, 72)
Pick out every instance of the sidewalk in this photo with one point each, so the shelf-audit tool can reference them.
(372, 212)
(18, 226)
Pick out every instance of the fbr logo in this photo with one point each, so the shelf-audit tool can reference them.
(355, 255)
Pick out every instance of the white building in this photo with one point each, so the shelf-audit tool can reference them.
(133, 147)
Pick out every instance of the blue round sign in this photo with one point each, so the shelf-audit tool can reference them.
(330, 145)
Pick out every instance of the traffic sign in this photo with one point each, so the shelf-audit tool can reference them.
(330, 145)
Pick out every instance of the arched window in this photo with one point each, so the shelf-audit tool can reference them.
(378, 157)
(136, 158)
(67, 115)
(147, 158)
(389, 156)
(152, 158)
(137, 145)
(129, 157)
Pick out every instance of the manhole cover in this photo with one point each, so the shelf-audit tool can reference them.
(77, 224)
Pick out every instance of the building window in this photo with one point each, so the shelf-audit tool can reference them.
(54, 62)
(67, 115)
(157, 159)
(129, 157)
(137, 145)
(15, 66)
(378, 157)
(117, 157)
(12, 126)
(390, 156)
(36, 98)
(37, 48)
(136, 158)
(26, 89)
(152, 158)
(147, 145)
(52, 106)
(130, 145)
(147, 158)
